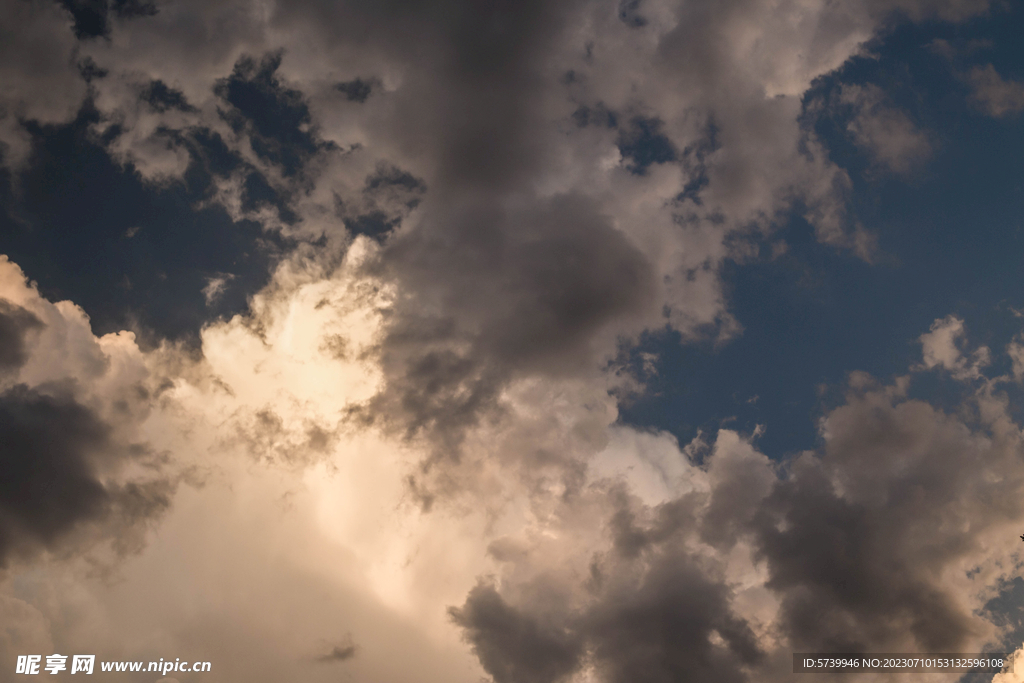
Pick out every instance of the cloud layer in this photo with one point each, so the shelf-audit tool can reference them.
(401, 458)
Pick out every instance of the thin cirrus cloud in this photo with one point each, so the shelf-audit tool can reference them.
(386, 264)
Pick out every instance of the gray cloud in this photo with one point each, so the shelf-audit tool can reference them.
(53, 452)
(526, 293)
(673, 622)
(857, 542)
(340, 653)
(513, 646)
(886, 539)
(467, 114)
(15, 324)
(388, 196)
(49, 484)
(527, 224)
(650, 611)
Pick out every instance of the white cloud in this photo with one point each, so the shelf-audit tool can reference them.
(1017, 674)
(941, 347)
(215, 286)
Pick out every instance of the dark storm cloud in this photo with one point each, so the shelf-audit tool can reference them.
(650, 616)
(664, 627)
(525, 293)
(474, 80)
(51, 448)
(491, 76)
(15, 324)
(660, 613)
(496, 284)
(864, 544)
(859, 569)
(514, 647)
(845, 588)
(856, 541)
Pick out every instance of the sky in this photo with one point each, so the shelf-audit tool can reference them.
(599, 341)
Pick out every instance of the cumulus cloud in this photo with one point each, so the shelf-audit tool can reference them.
(557, 276)
(411, 435)
(560, 546)
(888, 538)
(66, 445)
(941, 347)
(308, 146)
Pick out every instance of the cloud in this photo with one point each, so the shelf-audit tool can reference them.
(153, 102)
(215, 286)
(888, 537)
(701, 139)
(941, 348)
(66, 448)
(512, 646)
(1015, 350)
(1016, 675)
(358, 89)
(993, 94)
(92, 19)
(411, 433)
(887, 132)
(340, 653)
(904, 475)
(560, 546)
(38, 68)
(15, 324)
(352, 554)
(49, 487)
(530, 292)
(29, 631)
